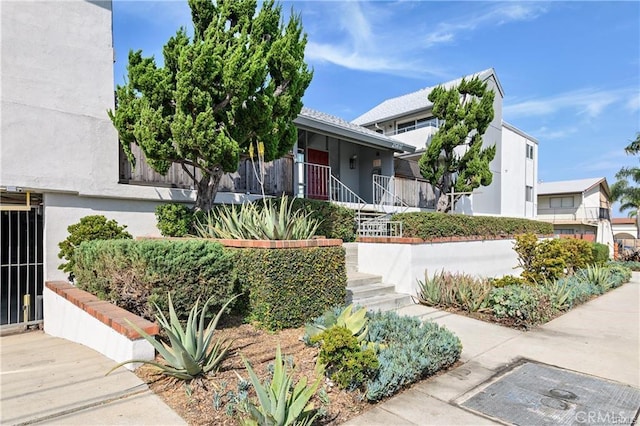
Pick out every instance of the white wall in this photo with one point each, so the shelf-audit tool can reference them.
(518, 172)
(417, 137)
(404, 264)
(66, 320)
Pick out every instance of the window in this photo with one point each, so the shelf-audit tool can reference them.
(530, 151)
(560, 202)
(417, 124)
(564, 231)
(529, 193)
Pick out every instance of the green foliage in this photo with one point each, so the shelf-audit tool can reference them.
(239, 80)
(409, 350)
(335, 221)
(280, 403)
(271, 221)
(579, 291)
(508, 280)
(634, 266)
(427, 225)
(95, 227)
(620, 273)
(600, 253)
(347, 363)
(354, 321)
(525, 305)
(174, 220)
(136, 274)
(597, 275)
(457, 290)
(465, 112)
(189, 352)
(560, 294)
(626, 189)
(548, 260)
(289, 287)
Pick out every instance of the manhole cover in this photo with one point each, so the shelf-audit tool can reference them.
(533, 394)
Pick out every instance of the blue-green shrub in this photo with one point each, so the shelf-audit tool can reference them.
(620, 273)
(525, 305)
(408, 351)
(634, 266)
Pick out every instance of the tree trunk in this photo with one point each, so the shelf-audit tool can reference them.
(208, 188)
(443, 203)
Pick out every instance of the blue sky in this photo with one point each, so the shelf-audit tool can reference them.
(570, 70)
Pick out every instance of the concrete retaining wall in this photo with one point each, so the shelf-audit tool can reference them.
(67, 320)
(403, 264)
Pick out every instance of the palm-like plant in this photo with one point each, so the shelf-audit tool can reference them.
(626, 189)
(190, 352)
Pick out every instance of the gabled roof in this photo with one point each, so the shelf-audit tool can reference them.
(571, 186)
(313, 120)
(414, 102)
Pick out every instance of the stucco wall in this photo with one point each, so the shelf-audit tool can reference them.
(403, 264)
(518, 171)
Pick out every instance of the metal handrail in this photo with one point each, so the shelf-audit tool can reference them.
(381, 192)
(341, 193)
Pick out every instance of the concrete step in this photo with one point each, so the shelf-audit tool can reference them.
(369, 290)
(385, 302)
(355, 279)
(351, 269)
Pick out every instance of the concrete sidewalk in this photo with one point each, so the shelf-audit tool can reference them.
(47, 380)
(600, 338)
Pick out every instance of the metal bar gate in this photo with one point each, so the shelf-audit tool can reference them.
(21, 266)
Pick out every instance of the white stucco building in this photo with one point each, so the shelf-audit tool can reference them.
(579, 208)
(408, 119)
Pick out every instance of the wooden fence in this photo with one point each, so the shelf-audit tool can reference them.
(278, 177)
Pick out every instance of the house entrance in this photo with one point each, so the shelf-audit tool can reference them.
(21, 259)
(318, 174)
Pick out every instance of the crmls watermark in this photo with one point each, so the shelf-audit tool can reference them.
(602, 417)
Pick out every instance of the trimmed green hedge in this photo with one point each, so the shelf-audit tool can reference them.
(335, 221)
(438, 225)
(135, 273)
(288, 287)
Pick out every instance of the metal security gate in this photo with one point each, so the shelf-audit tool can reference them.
(21, 259)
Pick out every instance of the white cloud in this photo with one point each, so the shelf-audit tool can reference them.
(546, 133)
(500, 14)
(589, 102)
(634, 102)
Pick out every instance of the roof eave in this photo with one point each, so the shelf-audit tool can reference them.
(309, 123)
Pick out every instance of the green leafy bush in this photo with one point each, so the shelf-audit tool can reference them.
(550, 259)
(95, 227)
(280, 403)
(437, 225)
(347, 363)
(600, 253)
(634, 266)
(174, 220)
(289, 287)
(508, 280)
(335, 221)
(135, 274)
(620, 274)
(189, 353)
(252, 221)
(456, 290)
(525, 305)
(408, 351)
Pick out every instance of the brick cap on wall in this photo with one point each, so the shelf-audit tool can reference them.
(411, 240)
(103, 311)
(268, 244)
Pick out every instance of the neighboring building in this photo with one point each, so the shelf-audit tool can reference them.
(408, 119)
(625, 232)
(579, 208)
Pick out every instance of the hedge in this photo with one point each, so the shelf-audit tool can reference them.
(135, 273)
(438, 225)
(288, 287)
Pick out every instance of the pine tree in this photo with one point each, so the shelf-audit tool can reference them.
(455, 158)
(239, 81)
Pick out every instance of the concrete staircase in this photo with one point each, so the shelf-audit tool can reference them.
(367, 289)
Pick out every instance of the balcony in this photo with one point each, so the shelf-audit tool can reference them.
(574, 215)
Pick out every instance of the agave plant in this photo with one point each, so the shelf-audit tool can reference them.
(251, 222)
(559, 294)
(597, 275)
(190, 352)
(429, 292)
(281, 403)
(354, 321)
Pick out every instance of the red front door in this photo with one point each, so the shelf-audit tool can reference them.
(318, 176)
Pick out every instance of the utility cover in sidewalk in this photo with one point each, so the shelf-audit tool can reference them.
(533, 394)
